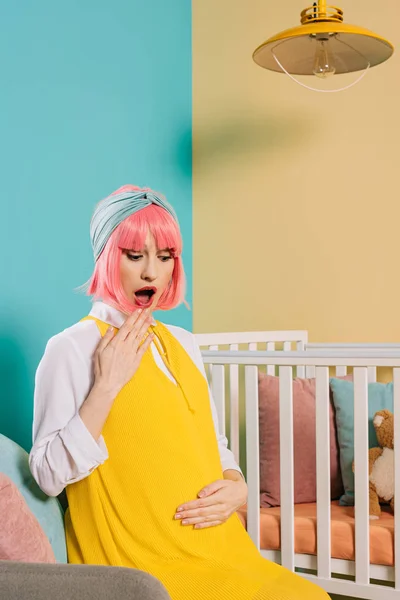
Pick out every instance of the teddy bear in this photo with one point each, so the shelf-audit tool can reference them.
(381, 465)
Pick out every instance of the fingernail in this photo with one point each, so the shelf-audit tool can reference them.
(201, 494)
(178, 516)
(179, 509)
(185, 522)
(110, 328)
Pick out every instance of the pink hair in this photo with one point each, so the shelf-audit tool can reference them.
(105, 283)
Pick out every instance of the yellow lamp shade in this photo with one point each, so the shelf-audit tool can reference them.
(353, 48)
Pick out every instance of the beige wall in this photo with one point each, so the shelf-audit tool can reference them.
(296, 196)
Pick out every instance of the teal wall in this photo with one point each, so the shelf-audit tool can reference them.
(93, 94)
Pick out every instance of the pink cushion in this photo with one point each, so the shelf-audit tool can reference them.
(304, 442)
(21, 537)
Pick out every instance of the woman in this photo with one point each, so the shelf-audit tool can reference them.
(124, 420)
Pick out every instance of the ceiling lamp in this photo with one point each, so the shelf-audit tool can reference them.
(323, 46)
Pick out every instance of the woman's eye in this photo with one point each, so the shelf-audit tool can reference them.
(134, 256)
(165, 258)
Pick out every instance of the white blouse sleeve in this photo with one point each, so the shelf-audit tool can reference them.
(227, 458)
(63, 449)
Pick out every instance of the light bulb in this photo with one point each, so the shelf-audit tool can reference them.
(324, 65)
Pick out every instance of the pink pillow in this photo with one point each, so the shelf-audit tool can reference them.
(21, 537)
(304, 442)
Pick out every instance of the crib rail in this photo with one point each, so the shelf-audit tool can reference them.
(342, 370)
(361, 361)
(251, 337)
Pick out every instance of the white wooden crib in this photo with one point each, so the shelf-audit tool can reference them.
(226, 356)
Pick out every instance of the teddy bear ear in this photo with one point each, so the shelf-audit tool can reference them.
(378, 420)
(381, 416)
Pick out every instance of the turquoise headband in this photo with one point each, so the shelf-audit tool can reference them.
(114, 209)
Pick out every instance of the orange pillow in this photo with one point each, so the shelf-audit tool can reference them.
(21, 537)
(304, 393)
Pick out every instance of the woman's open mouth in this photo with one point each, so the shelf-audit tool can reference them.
(144, 296)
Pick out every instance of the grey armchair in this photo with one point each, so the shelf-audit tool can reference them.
(32, 581)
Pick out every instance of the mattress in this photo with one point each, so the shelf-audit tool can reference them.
(342, 532)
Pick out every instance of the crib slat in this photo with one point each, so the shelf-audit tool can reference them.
(287, 346)
(301, 370)
(361, 476)
(252, 454)
(234, 406)
(310, 371)
(215, 348)
(396, 412)
(218, 392)
(341, 371)
(371, 374)
(286, 466)
(323, 473)
(270, 348)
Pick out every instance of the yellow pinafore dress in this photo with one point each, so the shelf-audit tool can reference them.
(162, 450)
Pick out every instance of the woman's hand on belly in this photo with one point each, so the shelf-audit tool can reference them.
(216, 503)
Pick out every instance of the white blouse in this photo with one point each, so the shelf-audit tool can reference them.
(63, 449)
